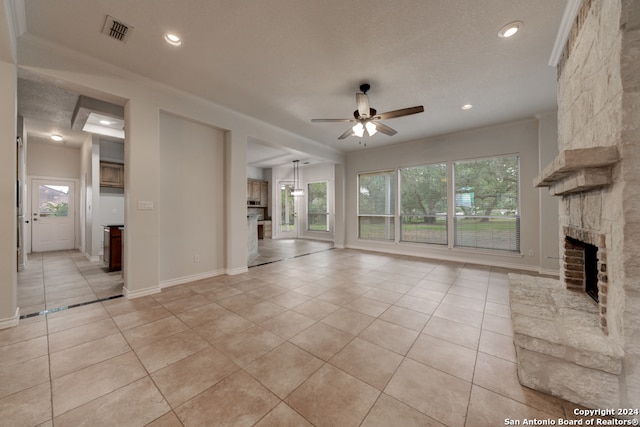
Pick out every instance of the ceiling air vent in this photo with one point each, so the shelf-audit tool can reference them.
(116, 29)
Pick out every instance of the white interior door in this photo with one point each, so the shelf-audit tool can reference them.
(288, 219)
(52, 215)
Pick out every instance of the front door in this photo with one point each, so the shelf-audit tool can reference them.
(52, 215)
(288, 217)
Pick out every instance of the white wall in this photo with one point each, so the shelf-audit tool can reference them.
(50, 160)
(512, 138)
(255, 173)
(549, 251)
(190, 210)
(8, 259)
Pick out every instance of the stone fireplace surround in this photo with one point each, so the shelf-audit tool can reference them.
(568, 345)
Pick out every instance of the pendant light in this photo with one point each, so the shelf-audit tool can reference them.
(297, 191)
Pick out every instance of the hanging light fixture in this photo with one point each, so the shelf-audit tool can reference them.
(297, 191)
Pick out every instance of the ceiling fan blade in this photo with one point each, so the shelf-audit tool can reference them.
(348, 133)
(381, 127)
(333, 120)
(363, 105)
(399, 113)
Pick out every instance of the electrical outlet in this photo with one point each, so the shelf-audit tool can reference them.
(531, 252)
(196, 258)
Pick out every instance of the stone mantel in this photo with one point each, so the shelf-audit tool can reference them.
(578, 170)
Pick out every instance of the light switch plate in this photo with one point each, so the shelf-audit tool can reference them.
(145, 206)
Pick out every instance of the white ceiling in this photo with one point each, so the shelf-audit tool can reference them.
(288, 61)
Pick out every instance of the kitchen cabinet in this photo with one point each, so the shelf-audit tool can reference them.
(111, 175)
(264, 229)
(257, 193)
(112, 247)
(266, 232)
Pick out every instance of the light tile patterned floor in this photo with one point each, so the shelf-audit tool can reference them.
(335, 338)
(62, 278)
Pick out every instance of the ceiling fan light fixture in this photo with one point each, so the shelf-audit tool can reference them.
(371, 128)
(510, 30)
(358, 130)
(173, 39)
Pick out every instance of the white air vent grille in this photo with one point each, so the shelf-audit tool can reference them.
(116, 29)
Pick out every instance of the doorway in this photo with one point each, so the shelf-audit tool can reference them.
(287, 218)
(52, 215)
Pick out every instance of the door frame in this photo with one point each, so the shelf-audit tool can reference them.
(28, 210)
(277, 225)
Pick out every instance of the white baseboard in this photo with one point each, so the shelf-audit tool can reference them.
(190, 278)
(235, 271)
(548, 272)
(140, 293)
(10, 322)
(91, 258)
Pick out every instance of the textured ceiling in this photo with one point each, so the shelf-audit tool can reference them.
(288, 61)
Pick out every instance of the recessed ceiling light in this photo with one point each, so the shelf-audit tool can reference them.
(173, 39)
(510, 29)
(467, 107)
(57, 138)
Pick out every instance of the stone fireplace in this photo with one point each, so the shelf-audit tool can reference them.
(579, 337)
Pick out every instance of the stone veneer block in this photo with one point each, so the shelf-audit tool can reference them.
(568, 162)
(581, 180)
(560, 346)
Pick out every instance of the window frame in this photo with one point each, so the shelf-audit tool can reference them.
(445, 217)
(393, 220)
(454, 217)
(390, 220)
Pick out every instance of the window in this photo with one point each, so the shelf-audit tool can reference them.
(376, 200)
(53, 200)
(317, 211)
(423, 204)
(487, 203)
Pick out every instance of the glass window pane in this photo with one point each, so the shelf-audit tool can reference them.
(376, 227)
(487, 203)
(317, 211)
(376, 205)
(287, 208)
(376, 195)
(423, 204)
(54, 200)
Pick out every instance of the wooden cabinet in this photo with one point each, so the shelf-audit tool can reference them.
(266, 232)
(257, 193)
(111, 174)
(112, 246)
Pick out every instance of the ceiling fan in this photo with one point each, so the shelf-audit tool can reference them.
(367, 119)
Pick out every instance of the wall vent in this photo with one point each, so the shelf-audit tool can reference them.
(116, 29)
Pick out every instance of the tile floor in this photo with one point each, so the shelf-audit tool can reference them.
(62, 278)
(335, 338)
(270, 250)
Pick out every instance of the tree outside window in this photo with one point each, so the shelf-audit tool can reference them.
(487, 203)
(317, 207)
(423, 204)
(376, 205)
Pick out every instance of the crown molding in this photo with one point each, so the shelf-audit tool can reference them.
(568, 18)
